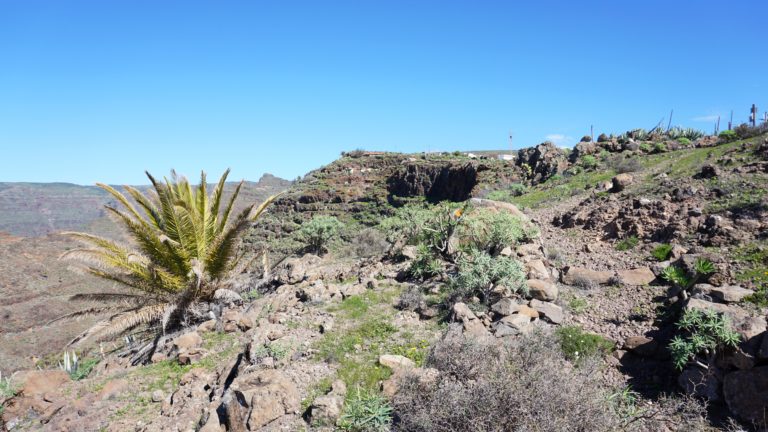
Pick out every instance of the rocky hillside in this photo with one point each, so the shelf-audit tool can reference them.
(36, 285)
(622, 285)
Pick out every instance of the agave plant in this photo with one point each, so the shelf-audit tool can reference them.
(184, 245)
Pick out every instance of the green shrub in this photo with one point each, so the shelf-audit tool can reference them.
(491, 231)
(426, 264)
(588, 162)
(318, 232)
(645, 148)
(406, 224)
(684, 141)
(676, 276)
(659, 147)
(728, 135)
(681, 278)
(7, 389)
(479, 272)
(366, 411)
(578, 344)
(662, 252)
(627, 243)
(84, 368)
(705, 333)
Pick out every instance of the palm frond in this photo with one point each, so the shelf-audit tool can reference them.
(121, 322)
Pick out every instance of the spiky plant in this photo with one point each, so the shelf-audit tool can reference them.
(183, 248)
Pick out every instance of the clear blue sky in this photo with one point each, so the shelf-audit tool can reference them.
(102, 90)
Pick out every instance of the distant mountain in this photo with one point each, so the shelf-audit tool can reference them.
(39, 209)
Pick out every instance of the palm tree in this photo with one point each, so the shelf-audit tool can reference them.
(183, 249)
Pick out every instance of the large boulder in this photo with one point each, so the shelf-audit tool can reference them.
(542, 290)
(326, 409)
(746, 393)
(270, 395)
(472, 325)
(637, 277)
(550, 311)
(586, 278)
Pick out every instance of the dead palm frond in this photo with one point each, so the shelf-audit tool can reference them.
(184, 245)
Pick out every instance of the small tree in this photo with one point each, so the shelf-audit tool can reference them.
(318, 232)
(184, 246)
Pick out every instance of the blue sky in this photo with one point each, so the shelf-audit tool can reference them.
(102, 90)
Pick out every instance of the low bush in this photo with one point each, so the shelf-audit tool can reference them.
(369, 242)
(316, 233)
(662, 252)
(621, 165)
(515, 385)
(578, 345)
(507, 195)
(588, 162)
(645, 148)
(659, 147)
(628, 243)
(704, 334)
(426, 264)
(491, 231)
(728, 135)
(366, 411)
(684, 141)
(479, 272)
(410, 299)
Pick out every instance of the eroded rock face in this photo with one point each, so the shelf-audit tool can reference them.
(435, 182)
(270, 395)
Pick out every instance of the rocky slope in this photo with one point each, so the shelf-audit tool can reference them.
(295, 351)
(35, 285)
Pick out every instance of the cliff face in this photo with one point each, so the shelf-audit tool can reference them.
(440, 182)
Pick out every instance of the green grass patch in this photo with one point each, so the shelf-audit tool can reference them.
(414, 350)
(754, 259)
(662, 252)
(558, 189)
(316, 390)
(577, 305)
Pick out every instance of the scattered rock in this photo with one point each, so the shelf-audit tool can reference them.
(551, 312)
(505, 307)
(394, 361)
(472, 325)
(112, 389)
(512, 325)
(620, 182)
(641, 345)
(542, 290)
(708, 171)
(730, 293)
(536, 269)
(271, 395)
(326, 409)
(158, 396)
(188, 341)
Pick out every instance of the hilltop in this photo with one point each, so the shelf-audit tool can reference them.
(618, 285)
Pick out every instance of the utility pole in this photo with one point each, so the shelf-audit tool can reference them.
(592, 132)
(753, 115)
(717, 126)
(730, 122)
